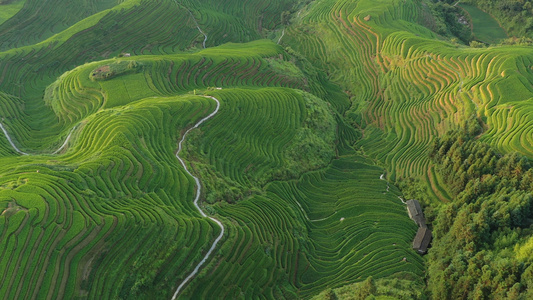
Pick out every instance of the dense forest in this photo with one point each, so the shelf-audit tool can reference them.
(478, 249)
(446, 22)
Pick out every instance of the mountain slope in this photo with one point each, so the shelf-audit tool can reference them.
(294, 164)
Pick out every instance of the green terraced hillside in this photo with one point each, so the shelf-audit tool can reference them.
(330, 227)
(294, 119)
(408, 88)
(111, 214)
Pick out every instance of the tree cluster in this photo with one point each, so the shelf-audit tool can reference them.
(447, 23)
(476, 235)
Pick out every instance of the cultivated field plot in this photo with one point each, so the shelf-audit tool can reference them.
(486, 28)
(410, 87)
(111, 215)
(325, 229)
(108, 216)
(9, 10)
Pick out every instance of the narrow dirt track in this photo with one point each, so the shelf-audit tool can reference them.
(195, 22)
(24, 153)
(197, 197)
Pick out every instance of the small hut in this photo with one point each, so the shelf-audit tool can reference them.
(415, 212)
(422, 240)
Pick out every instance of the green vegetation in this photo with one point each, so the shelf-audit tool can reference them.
(486, 29)
(339, 220)
(38, 20)
(516, 16)
(448, 20)
(114, 69)
(9, 9)
(299, 163)
(478, 247)
(112, 217)
(121, 171)
(408, 89)
(300, 135)
(78, 208)
(375, 289)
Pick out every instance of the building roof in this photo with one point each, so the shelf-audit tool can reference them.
(415, 212)
(422, 240)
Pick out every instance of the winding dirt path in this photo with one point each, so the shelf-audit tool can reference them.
(10, 141)
(198, 190)
(382, 177)
(66, 140)
(205, 35)
(401, 199)
(282, 34)
(24, 153)
(195, 22)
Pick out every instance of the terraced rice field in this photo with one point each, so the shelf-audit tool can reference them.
(325, 229)
(120, 185)
(411, 88)
(111, 215)
(9, 10)
(75, 221)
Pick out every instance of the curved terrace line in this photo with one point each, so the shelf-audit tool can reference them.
(198, 190)
(24, 153)
(307, 217)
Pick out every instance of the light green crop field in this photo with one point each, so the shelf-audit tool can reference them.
(9, 10)
(119, 201)
(486, 28)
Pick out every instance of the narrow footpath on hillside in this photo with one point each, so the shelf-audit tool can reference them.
(313, 220)
(195, 22)
(197, 181)
(196, 199)
(382, 177)
(10, 141)
(282, 34)
(24, 153)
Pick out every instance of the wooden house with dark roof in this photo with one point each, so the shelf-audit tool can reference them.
(415, 212)
(422, 240)
(423, 235)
